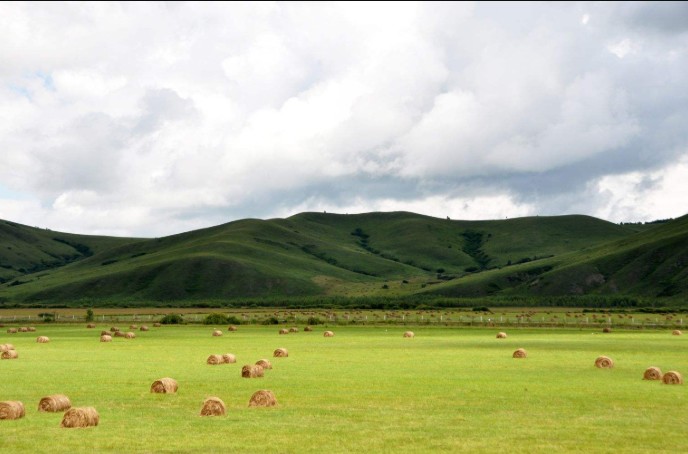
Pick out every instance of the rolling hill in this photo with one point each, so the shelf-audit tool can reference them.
(318, 254)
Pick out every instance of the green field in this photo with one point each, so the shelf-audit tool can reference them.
(366, 389)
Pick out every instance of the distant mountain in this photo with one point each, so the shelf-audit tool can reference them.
(373, 254)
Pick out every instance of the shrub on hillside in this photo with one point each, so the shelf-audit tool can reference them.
(215, 319)
(172, 319)
(233, 320)
(314, 321)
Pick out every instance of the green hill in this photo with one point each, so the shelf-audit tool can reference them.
(318, 254)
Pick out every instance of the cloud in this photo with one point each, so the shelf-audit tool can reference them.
(113, 122)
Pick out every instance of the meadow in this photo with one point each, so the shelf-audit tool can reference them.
(448, 389)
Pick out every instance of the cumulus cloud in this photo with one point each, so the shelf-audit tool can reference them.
(154, 118)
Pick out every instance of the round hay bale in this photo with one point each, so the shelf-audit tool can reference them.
(501, 335)
(284, 331)
(133, 327)
(328, 334)
(164, 386)
(604, 362)
(42, 339)
(106, 338)
(409, 334)
(280, 353)
(262, 398)
(213, 406)
(157, 325)
(56, 402)
(80, 417)
(652, 373)
(229, 358)
(308, 328)
(23, 329)
(105, 333)
(676, 332)
(130, 335)
(6, 347)
(118, 334)
(214, 360)
(252, 371)
(31, 329)
(264, 363)
(143, 328)
(9, 354)
(520, 353)
(293, 329)
(232, 328)
(606, 329)
(11, 330)
(91, 325)
(672, 378)
(217, 333)
(114, 329)
(12, 409)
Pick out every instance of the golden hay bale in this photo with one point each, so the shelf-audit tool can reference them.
(520, 353)
(672, 378)
(262, 398)
(501, 335)
(130, 335)
(31, 329)
(118, 334)
(12, 409)
(232, 328)
(12, 331)
(252, 371)
(80, 417)
(676, 332)
(652, 373)
(328, 334)
(308, 328)
(106, 338)
(165, 386)
(293, 330)
(213, 406)
(42, 339)
(133, 327)
(214, 360)
(217, 333)
(143, 328)
(606, 329)
(604, 362)
(284, 331)
(56, 402)
(23, 329)
(280, 353)
(91, 325)
(114, 329)
(6, 347)
(9, 354)
(105, 333)
(157, 325)
(229, 358)
(264, 363)
(409, 334)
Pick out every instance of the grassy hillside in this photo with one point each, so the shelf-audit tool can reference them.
(311, 254)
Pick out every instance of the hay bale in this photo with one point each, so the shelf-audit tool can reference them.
(676, 332)
(12, 409)
(293, 329)
(217, 333)
(31, 329)
(232, 328)
(80, 417)
(114, 329)
(6, 347)
(280, 353)
(672, 378)
(252, 371)
(409, 334)
(91, 325)
(520, 353)
(42, 339)
(133, 327)
(501, 335)
(262, 398)
(264, 363)
(164, 386)
(9, 354)
(11, 330)
(157, 325)
(604, 362)
(229, 358)
(23, 329)
(106, 338)
(328, 334)
(105, 333)
(308, 328)
(213, 406)
(214, 360)
(606, 329)
(143, 328)
(56, 402)
(118, 334)
(652, 373)
(130, 335)
(284, 331)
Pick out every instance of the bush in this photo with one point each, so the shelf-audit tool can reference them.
(215, 319)
(314, 321)
(271, 321)
(172, 319)
(233, 320)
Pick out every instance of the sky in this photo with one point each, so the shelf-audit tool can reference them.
(150, 119)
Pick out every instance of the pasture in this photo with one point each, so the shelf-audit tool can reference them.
(448, 389)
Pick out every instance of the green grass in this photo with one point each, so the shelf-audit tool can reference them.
(366, 389)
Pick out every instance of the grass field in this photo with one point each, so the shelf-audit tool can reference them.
(366, 389)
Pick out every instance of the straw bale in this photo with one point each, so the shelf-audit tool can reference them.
(652, 373)
(165, 386)
(56, 402)
(328, 334)
(672, 378)
(501, 335)
(5, 347)
(106, 338)
(42, 339)
(130, 335)
(409, 334)
(520, 353)
(214, 360)
(80, 417)
(229, 358)
(217, 333)
(91, 325)
(252, 371)
(280, 353)
(9, 354)
(232, 328)
(12, 409)
(264, 363)
(213, 406)
(676, 332)
(284, 331)
(604, 362)
(143, 328)
(262, 398)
